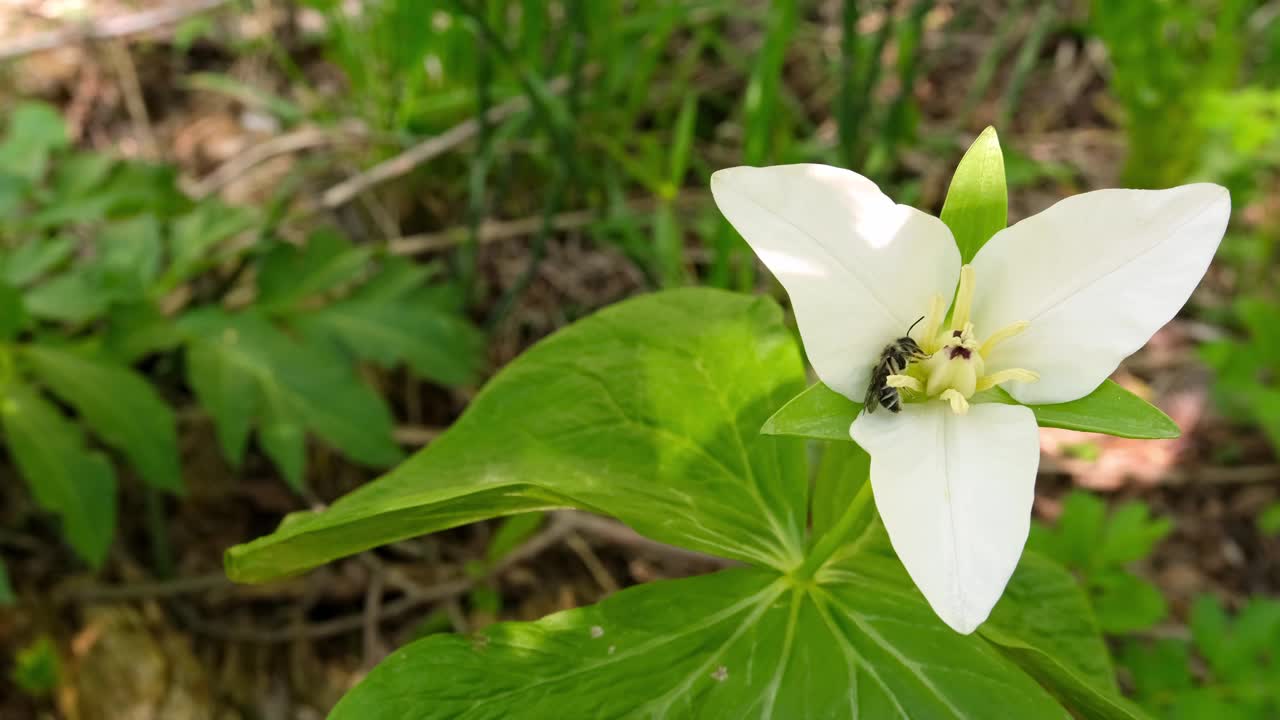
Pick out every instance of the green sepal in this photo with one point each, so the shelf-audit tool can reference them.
(824, 414)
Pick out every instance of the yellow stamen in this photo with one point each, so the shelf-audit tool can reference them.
(932, 322)
(1003, 334)
(986, 382)
(964, 299)
(959, 403)
(904, 381)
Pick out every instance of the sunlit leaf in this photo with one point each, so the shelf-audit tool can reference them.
(610, 414)
(649, 411)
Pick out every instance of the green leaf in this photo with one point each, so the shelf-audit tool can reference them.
(65, 479)
(1110, 410)
(436, 343)
(610, 414)
(73, 297)
(227, 391)
(284, 436)
(1125, 603)
(7, 597)
(136, 330)
(649, 411)
(1132, 534)
(290, 274)
(129, 259)
(977, 204)
(1044, 624)
(822, 413)
(119, 405)
(194, 236)
(31, 260)
(738, 644)
(35, 131)
(36, 668)
(299, 385)
(12, 313)
(844, 469)
(819, 412)
(511, 534)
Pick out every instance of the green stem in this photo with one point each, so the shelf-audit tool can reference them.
(836, 536)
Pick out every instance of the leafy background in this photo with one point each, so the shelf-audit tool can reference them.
(219, 306)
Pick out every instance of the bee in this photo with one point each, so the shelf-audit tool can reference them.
(893, 360)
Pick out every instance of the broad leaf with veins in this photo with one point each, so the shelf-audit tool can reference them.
(650, 411)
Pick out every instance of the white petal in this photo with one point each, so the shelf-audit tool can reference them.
(955, 494)
(859, 269)
(1096, 275)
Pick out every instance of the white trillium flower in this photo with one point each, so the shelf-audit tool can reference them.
(1047, 309)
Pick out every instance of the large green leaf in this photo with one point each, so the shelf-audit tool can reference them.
(822, 413)
(119, 405)
(977, 204)
(613, 414)
(647, 411)
(743, 643)
(1045, 624)
(241, 364)
(857, 642)
(66, 479)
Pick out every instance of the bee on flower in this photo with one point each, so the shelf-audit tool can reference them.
(1046, 310)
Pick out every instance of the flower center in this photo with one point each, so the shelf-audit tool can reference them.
(955, 368)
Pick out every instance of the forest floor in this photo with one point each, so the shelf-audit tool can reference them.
(194, 645)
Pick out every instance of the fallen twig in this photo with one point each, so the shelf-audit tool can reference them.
(426, 150)
(495, 230)
(302, 139)
(416, 595)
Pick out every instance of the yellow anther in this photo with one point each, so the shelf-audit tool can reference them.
(986, 382)
(1003, 334)
(929, 341)
(964, 299)
(904, 381)
(959, 404)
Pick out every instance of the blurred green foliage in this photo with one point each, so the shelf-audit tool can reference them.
(1099, 546)
(36, 667)
(118, 294)
(1169, 59)
(624, 97)
(1248, 368)
(1228, 668)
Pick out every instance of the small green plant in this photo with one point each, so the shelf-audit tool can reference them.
(1248, 379)
(105, 266)
(1228, 668)
(36, 667)
(1099, 547)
